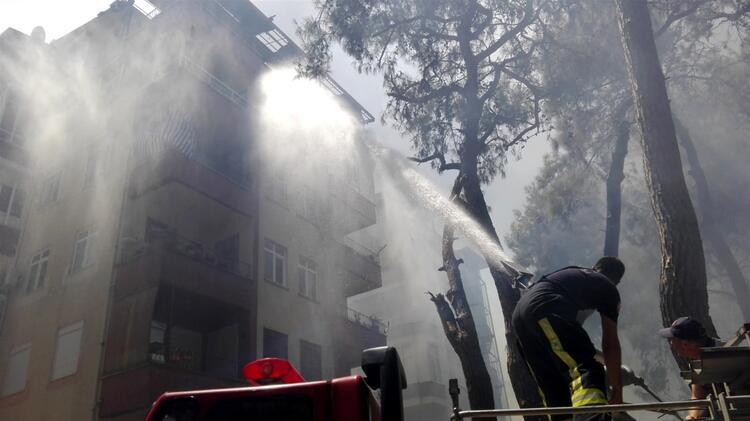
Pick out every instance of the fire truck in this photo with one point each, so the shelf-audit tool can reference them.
(278, 392)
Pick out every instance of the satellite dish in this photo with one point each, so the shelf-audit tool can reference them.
(39, 35)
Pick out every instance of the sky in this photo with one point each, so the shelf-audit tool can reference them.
(503, 195)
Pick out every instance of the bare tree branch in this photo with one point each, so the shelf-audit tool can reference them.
(672, 18)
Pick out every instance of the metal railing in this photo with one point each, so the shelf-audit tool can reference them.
(719, 408)
(194, 250)
(366, 321)
(214, 82)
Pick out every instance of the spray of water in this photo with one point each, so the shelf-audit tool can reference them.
(433, 200)
(328, 131)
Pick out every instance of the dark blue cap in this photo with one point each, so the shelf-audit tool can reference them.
(685, 328)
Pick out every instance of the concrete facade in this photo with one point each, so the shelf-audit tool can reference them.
(170, 257)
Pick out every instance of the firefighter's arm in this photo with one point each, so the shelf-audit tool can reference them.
(697, 391)
(612, 358)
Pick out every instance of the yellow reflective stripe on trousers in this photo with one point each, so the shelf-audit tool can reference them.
(581, 396)
(557, 347)
(591, 396)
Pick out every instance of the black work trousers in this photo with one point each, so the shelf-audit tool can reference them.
(561, 358)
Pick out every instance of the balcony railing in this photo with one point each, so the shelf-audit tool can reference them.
(367, 321)
(133, 248)
(214, 82)
(229, 188)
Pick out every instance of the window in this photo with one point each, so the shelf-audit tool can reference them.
(275, 344)
(11, 200)
(38, 271)
(50, 190)
(67, 351)
(146, 8)
(308, 277)
(274, 261)
(17, 370)
(273, 40)
(310, 360)
(278, 188)
(308, 205)
(83, 250)
(10, 118)
(156, 342)
(90, 172)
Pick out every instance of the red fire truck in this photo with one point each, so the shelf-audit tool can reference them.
(277, 392)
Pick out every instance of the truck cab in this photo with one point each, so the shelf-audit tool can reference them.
(277, 392)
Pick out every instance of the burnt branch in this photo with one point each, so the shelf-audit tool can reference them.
(447, 318)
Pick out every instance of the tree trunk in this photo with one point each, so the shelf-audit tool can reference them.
(711, 229)
(682, 287)
(614, 181)
(524, 385)
(458, 324)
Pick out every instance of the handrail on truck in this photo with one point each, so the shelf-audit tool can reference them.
(718, 407)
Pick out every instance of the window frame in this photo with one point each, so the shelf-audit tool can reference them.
(277, 252)
(61, 333)
(307, 275)
(25, 369)
(40, 259)
(89, 256)
(269, 333)
(45, 194)
(304, 370)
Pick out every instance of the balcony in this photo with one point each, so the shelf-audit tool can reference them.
(355, 332)
(231, 190)
(368, 322)
(183, 264)
(359, 268)
(352, 211)
(135, 389)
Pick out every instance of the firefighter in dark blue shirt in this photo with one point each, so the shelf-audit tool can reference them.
(548, 322)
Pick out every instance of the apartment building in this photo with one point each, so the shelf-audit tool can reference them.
(14, 174)
(160, 250)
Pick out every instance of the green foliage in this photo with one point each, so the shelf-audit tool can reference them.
(703, 51)
(458, 73)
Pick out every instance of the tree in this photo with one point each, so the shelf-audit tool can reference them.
(462, 85)
(683, 279)
(711, 230)
(707, 80)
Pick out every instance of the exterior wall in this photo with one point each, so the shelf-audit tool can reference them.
(67, 297)
(205, 67)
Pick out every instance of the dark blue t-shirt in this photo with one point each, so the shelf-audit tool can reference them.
(571, 291)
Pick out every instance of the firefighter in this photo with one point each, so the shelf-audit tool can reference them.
(686, 337)
(548, 321)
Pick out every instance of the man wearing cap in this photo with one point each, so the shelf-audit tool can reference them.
(686, 337)
(548, 321)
